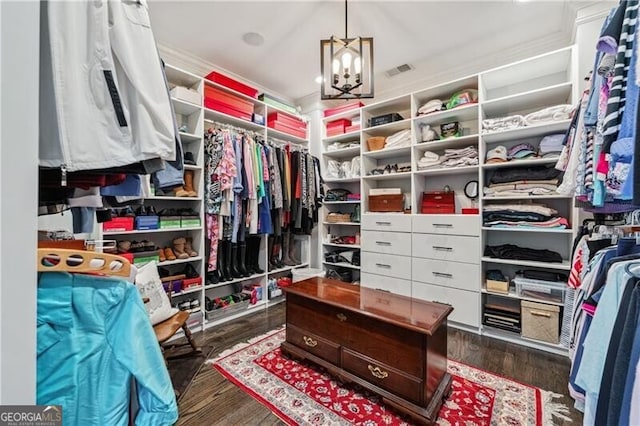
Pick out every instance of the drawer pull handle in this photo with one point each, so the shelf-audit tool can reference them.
(383, 243)
(341, 317)
(541, 314)
(383, 265)
(443, 275)
(378, 372)
(309, 341)
(383, 223)
(442, 225)
(440, 248)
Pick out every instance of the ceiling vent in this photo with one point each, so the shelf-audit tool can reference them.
(398, 70)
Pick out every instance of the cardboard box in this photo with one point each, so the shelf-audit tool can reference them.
(285, 129)
(232, 84)
(228, 99)
(343, 108)
(118, 224)
(170, 222)
(147, 222)
(494, 286)
(226, 109)
(288, 120)
(189, 221)
(187, 95)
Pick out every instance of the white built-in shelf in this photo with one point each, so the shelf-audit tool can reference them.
(541, 230)
(389, 176)
(189, 137)
(286, 136)
(341, 153)
(172, 198)
(180, 77)
(212, 116)
(528, 197)
(353, 246)
(343, 180)
(233, 281)
(517, 339)
(179, 261)
(355, 135)
(187, 291)
(342, 223)
(526, 132)
(192, 167)
(512, 295)
(442, 144)
(463, 113)
(448, 171)
(343, 265)
(565, 265)
(151, 231)
(340, 202)
(388, 128)
(287, 268)
(276, 300)
(388, 152)
(515, 163)
(184, 108)
(528, 101)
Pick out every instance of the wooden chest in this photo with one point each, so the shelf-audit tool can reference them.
(393, 345)
(386, 203)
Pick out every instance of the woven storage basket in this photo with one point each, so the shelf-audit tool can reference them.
(340, 217)
(376, 143)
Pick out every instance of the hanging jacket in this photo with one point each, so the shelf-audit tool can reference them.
(93, 336)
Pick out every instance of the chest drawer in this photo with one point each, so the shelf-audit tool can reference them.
(466, 304)
(382, 375)
(464, 276)
(387, 242)
(314, 344)
(392, 285)
(447, 224)
(386, 222)
(321, 319)
(388, 265)
(446, 247)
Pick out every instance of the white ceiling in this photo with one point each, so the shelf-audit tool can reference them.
(413, 32)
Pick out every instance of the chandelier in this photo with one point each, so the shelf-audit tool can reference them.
(346, 66)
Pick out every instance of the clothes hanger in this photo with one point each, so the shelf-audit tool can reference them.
(628, 266)
(64, 260)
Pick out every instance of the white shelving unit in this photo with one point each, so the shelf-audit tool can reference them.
(519, 88)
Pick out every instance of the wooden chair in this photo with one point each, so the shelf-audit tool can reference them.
(168, 328)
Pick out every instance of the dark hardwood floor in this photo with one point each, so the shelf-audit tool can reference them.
(213, 400)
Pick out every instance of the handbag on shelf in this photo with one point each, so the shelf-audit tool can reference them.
(337, 194)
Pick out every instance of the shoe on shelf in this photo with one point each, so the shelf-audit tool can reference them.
(124, 246)
(141, 211)
(163, 272)
(187, 212)
(183, 129)
(194, 305)
(212, 278)
(178, 248)
(188, 247)
(169, 254)
(161, 256)
(185, 305)
(188, 183)
(180, 192)
(189, 159)
(190, 271)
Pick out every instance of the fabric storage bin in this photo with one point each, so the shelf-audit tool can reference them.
(146, 222)
(189, 221)
(540, 321)
(185, 94)
(545, 291)
(232, 84)
(170, 222)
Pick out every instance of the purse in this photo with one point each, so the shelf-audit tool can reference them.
(338, 194)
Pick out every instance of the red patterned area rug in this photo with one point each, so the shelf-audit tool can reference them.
(301, 394)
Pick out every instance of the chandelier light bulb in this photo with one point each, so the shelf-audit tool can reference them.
(357, 65)
(336, 66)
(346, 62)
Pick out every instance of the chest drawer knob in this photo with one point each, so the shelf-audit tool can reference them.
(309, 341)
(377, 372)
(341, 317)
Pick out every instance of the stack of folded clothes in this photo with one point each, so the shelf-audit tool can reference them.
(551, 146)
(460, 157)
(514, 252)
(429, 159)
(509, 181)
(398, 139)
(543, 116)
(532, 216)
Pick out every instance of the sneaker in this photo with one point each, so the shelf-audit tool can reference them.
(194, 305)
(184, 305)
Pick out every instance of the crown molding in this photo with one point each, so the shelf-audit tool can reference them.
(198, 66)
(597, 11)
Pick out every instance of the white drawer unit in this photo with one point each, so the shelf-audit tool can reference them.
(447, 224)
(388, 265)
(466, 304)
(386, 222)
(453, 248)
(398, 243)
(379, 282)
(464, 276)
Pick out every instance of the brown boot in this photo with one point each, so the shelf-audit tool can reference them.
(168, 253)
(161, 256)
(178, 248)
(188, 183)
(188, 247)
(180, 192)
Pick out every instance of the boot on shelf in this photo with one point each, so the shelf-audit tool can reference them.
(270, 250)
(277, 252)
(242, 259)
(222, 262)
(188, 183)
(169, 254)
(286, 259)
(178, 248)
(188, 247)
(228, 261)
(212, 277)
(161, 256)
(234, 261)
(253, 246)
(293, 251)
